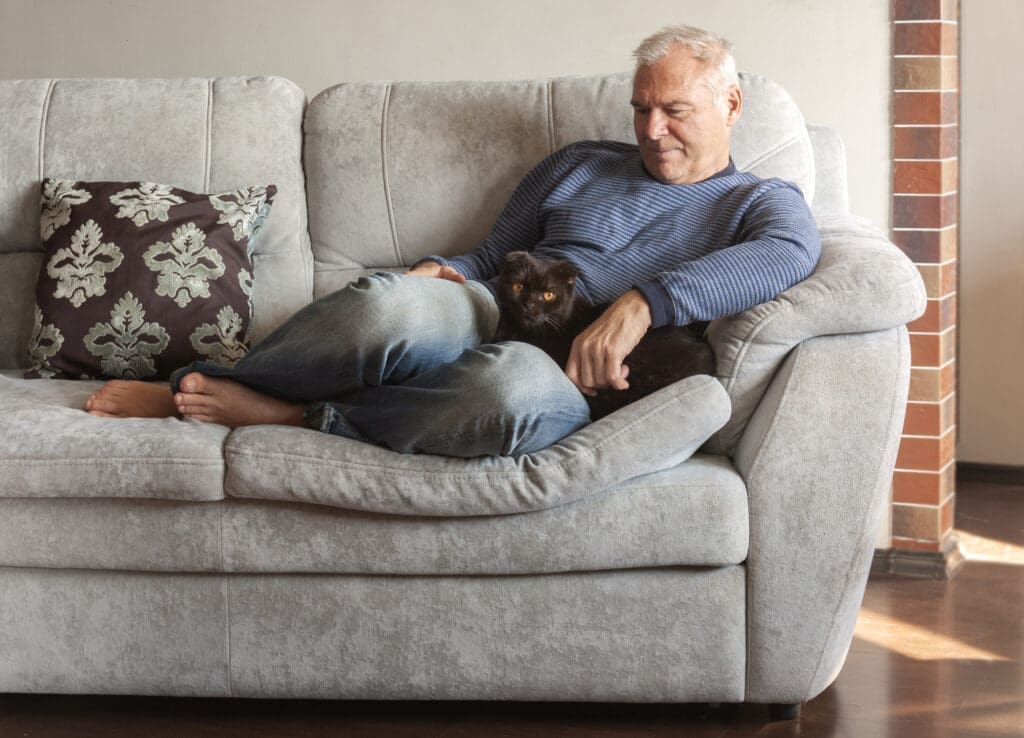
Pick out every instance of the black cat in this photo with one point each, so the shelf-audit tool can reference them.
(539, 305)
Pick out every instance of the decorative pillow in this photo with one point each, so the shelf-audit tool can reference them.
(139, 279)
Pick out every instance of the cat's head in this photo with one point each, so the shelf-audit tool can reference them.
(537, 294)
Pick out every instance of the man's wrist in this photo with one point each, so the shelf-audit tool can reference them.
(639, 309)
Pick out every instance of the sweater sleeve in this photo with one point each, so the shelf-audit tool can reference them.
(779, 245)
(519, 226)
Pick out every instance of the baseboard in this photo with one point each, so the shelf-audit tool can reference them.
(942, 564)
(969, 471)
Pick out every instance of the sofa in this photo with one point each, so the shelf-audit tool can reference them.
(710, 543)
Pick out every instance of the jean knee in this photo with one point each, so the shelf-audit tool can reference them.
(535, 397)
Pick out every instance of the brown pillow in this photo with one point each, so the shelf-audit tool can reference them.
(139, 279)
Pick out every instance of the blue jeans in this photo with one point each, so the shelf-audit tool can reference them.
(405, 362)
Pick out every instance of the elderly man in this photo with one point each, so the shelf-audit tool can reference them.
(667, 231)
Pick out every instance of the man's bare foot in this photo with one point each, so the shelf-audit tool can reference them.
(119, 398)
(226, 402)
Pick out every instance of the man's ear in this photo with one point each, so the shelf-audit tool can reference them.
(734, 105)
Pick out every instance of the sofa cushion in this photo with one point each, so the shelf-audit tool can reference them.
(50, 447)
(399, 171)
(862, 283)
(203, 135)
(142, 278)
(694, 514)
(656, 433)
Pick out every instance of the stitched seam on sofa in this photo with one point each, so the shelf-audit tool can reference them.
(540, 467)
(551, 115)
(209, 135)
(43, 119)
(384, 171)
(894, 404)
(784, 308)
(795, 139)
(770, 431)
(226, 589)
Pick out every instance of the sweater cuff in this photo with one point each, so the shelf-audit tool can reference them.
(660, 302)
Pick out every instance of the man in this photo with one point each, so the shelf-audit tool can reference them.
(667, 231)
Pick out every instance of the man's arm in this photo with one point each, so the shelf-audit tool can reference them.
(778, 246)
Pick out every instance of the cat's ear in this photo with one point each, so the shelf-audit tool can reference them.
(515, 258)
(566, 271)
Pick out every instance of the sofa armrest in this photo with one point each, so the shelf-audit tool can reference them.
(862, 283)
(817, 458)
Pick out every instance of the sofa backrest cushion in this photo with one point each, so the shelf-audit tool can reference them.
(203, 135)
(398, 171)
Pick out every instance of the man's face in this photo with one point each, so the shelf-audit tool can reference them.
(683, 135)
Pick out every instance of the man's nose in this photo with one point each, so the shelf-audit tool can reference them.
(655, 127)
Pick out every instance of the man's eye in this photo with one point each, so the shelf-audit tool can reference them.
(548, 296)
(517, 286)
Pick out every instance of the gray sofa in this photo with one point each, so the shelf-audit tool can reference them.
(709, 543)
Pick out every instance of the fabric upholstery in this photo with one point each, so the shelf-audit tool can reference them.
(603, 636)
(142, 278)
(298, 465)
(831, 195)
(17, 307)
(202, 135)
(694, 514)
(375, 153)
(113, 633)
(862, 283)
(817, 458)
(50, 447)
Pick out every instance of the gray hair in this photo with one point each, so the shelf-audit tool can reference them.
(712, 50)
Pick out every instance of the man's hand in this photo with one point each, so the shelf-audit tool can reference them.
(433, 269)
(598, 352)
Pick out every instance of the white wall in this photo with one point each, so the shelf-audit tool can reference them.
(832, 57)
(992, 235)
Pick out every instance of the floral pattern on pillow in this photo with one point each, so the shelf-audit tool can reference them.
(140, 278)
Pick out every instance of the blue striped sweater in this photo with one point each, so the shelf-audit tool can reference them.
(696, 252)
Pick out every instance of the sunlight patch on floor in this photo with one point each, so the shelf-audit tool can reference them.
(979, 548)
(915, 642)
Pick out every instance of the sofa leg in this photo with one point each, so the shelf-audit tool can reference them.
(782, 711)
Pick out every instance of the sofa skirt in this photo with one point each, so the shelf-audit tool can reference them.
(642, 635)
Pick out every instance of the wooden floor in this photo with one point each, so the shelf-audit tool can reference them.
(930, 659)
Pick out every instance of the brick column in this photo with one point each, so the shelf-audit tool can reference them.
(925, 215)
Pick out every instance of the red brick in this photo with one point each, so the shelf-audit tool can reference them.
(925, 211)
(924, 488)
(925, 108)
(925, 142)
(927, 246)
(938, 316)
(926, 453)
(908, 10)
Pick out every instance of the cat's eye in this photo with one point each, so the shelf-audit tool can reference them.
(516, 286)
(548, 296)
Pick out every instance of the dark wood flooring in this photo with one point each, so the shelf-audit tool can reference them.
(930, 659)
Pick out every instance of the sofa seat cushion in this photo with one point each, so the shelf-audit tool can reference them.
(655, 433)
(694, 514)
(50, 447)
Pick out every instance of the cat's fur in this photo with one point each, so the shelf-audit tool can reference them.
(663, 356)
